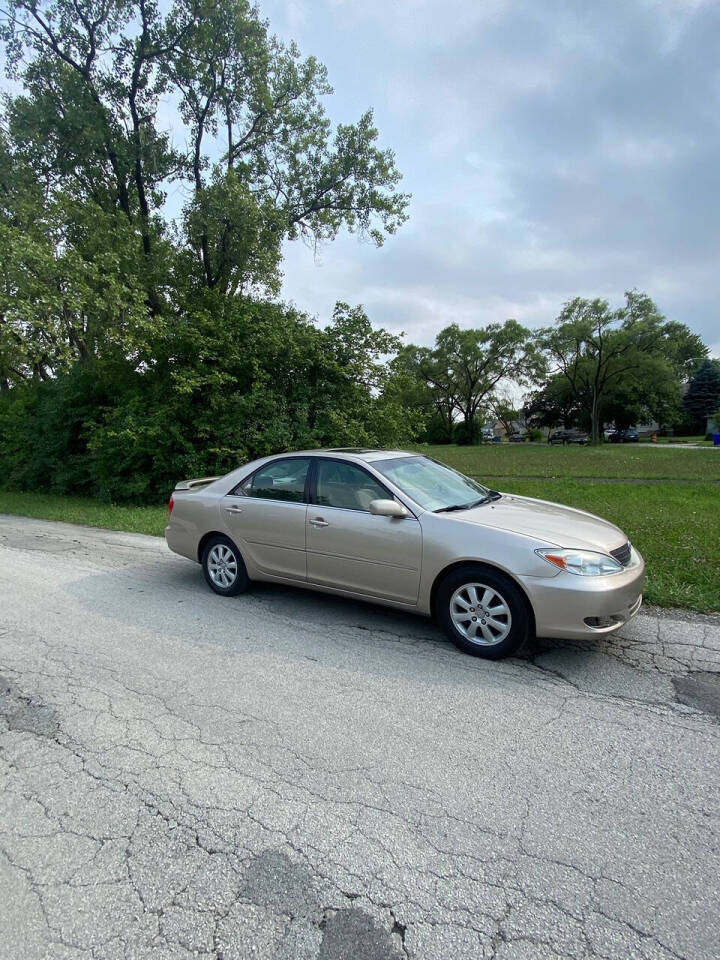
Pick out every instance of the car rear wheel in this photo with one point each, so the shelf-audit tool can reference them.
(223, 567)
(483, 612)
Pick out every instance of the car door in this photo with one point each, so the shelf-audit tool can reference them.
(349, 548)
(265, 516)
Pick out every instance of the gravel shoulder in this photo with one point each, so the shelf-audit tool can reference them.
(287, 775)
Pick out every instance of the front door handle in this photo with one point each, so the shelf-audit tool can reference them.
(319, 522)
(233, 509)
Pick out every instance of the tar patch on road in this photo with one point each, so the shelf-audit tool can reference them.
(700, 690)
(285, 888)
(353, 934)
(42, 543)
(23, 714)
(273, 880)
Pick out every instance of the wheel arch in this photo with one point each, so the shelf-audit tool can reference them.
(483, 565)
(208, 536)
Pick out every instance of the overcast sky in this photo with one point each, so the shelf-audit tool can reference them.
(552, 149)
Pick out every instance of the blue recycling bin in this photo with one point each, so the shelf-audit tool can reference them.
(716, 439)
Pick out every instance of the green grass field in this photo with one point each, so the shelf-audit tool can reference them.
(630, 461)
(89, 513)
(667, 500)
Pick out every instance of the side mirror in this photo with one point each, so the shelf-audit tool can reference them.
(388, 508)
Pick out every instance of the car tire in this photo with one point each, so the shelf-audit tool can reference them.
(496, 636)
(224, 567)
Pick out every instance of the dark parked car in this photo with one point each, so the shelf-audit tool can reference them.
(517, 438)
(624, 436)
(567, 436)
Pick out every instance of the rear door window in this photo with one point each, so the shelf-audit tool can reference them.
(279, 480)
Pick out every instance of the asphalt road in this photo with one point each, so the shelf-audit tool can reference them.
(285, 775)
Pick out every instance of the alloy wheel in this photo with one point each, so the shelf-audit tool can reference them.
(222, 566)
(480, 614)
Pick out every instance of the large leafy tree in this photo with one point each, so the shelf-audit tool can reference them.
(467, 366)
(631, 356)
(128, 106)
(426, 382)
(479, 360)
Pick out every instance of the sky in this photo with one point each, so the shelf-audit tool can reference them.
(552, 149)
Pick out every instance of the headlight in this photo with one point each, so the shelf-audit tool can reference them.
(584, 563)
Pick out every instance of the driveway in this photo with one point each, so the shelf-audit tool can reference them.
(285, 775)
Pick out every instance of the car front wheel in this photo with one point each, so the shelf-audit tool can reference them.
(483, 612)
(223, 567)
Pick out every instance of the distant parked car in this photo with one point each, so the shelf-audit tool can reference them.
(517, 438)
(497, 438)
(568, 436)
(624, 436)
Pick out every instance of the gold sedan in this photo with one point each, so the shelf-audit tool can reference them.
(404, 530)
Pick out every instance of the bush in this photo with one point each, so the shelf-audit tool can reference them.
(230, 382)
(463, 437)
(534, 435)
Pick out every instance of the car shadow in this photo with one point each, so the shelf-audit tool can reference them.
(171, 599)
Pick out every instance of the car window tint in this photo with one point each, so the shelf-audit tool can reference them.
(344, 485)
(279, 480)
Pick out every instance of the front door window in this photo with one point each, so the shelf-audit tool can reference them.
(346, 486)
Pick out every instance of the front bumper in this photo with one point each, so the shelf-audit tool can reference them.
(571, 607)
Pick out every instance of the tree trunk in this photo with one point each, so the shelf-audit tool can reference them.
(595, 418)
(470, 427)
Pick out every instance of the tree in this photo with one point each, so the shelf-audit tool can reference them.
(602, 353)
(554, 403)
(476, 361)
(427, 385)
(89, 157)
(457, 377)
(503, 408)
(138, 338)
(702, 398)
(235, 380)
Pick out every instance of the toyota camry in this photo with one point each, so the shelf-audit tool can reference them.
(402, 529)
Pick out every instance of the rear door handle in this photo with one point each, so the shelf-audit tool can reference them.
(233, 509)
(319, 522)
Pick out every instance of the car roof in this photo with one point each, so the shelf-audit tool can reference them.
(364, 454)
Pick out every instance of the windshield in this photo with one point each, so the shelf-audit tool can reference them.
(431, 484)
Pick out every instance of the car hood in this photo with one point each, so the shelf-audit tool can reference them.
(550, 522)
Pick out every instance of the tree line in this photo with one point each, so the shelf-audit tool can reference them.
(593, 366)
(152, 165)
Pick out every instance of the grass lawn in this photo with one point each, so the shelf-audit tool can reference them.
(615, 461)
(669, 504)
(675, 526)
(90, 513)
